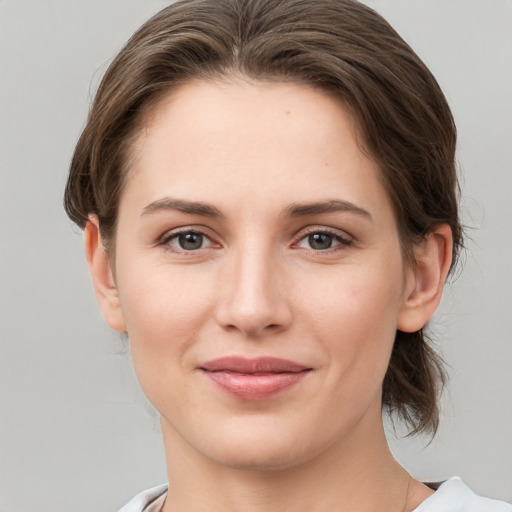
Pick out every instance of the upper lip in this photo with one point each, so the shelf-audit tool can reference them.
(258, 365)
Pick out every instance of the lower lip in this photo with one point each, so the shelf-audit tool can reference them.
(255, 387)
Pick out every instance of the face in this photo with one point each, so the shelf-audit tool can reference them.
(259, 273)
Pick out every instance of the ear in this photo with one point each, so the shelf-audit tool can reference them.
(425, 282)
(102, 276)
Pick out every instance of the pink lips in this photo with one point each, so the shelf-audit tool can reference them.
(254, 379)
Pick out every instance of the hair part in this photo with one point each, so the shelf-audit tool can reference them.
(342, 47)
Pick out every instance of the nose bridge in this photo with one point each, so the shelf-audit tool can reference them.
(254, 300)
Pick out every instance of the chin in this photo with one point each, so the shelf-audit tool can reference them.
(256, 459)
(260, 449)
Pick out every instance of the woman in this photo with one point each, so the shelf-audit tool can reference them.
(268, 194)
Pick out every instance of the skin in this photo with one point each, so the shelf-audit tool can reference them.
(252, 152)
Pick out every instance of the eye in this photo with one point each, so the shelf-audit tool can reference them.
(188, 241)
(323, 241)
(319, 241)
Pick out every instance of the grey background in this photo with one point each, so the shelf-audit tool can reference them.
(75, 431)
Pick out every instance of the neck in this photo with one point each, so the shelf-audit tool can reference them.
(356, 474)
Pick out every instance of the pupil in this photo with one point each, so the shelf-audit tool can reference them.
(191, 241)
(319, 241)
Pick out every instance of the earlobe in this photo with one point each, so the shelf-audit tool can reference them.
(102, 276)
(425, 285)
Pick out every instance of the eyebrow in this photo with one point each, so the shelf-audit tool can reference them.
(294, 210)
(331, 206)
(181, 205)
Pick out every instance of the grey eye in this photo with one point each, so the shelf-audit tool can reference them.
(319, 241)
(189, 241)
(323, 241)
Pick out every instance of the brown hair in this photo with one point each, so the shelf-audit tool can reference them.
(340, 46)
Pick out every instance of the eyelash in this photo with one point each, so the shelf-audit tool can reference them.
(168, 237)
(343, 241)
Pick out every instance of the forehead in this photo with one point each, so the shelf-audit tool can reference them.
(205, 107)
(211, 138)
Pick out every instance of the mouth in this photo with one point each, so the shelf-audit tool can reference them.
(254, 379)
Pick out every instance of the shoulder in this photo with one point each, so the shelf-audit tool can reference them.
(144, 500)
(454, 496)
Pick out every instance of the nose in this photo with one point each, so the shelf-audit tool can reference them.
(254, 300)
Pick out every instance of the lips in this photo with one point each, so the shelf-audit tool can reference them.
(254, 379)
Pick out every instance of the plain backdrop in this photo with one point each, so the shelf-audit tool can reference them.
(76, 434)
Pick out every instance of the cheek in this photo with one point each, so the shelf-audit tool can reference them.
(354, 316)
(364, 299)
(164, 310)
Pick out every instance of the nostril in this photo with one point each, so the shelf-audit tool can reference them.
(254, 314)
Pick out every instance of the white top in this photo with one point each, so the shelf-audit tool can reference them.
(150, 500)
(452, 496)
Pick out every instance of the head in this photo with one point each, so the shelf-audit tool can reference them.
(340, 48)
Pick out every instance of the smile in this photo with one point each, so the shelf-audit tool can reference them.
(253, 379)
